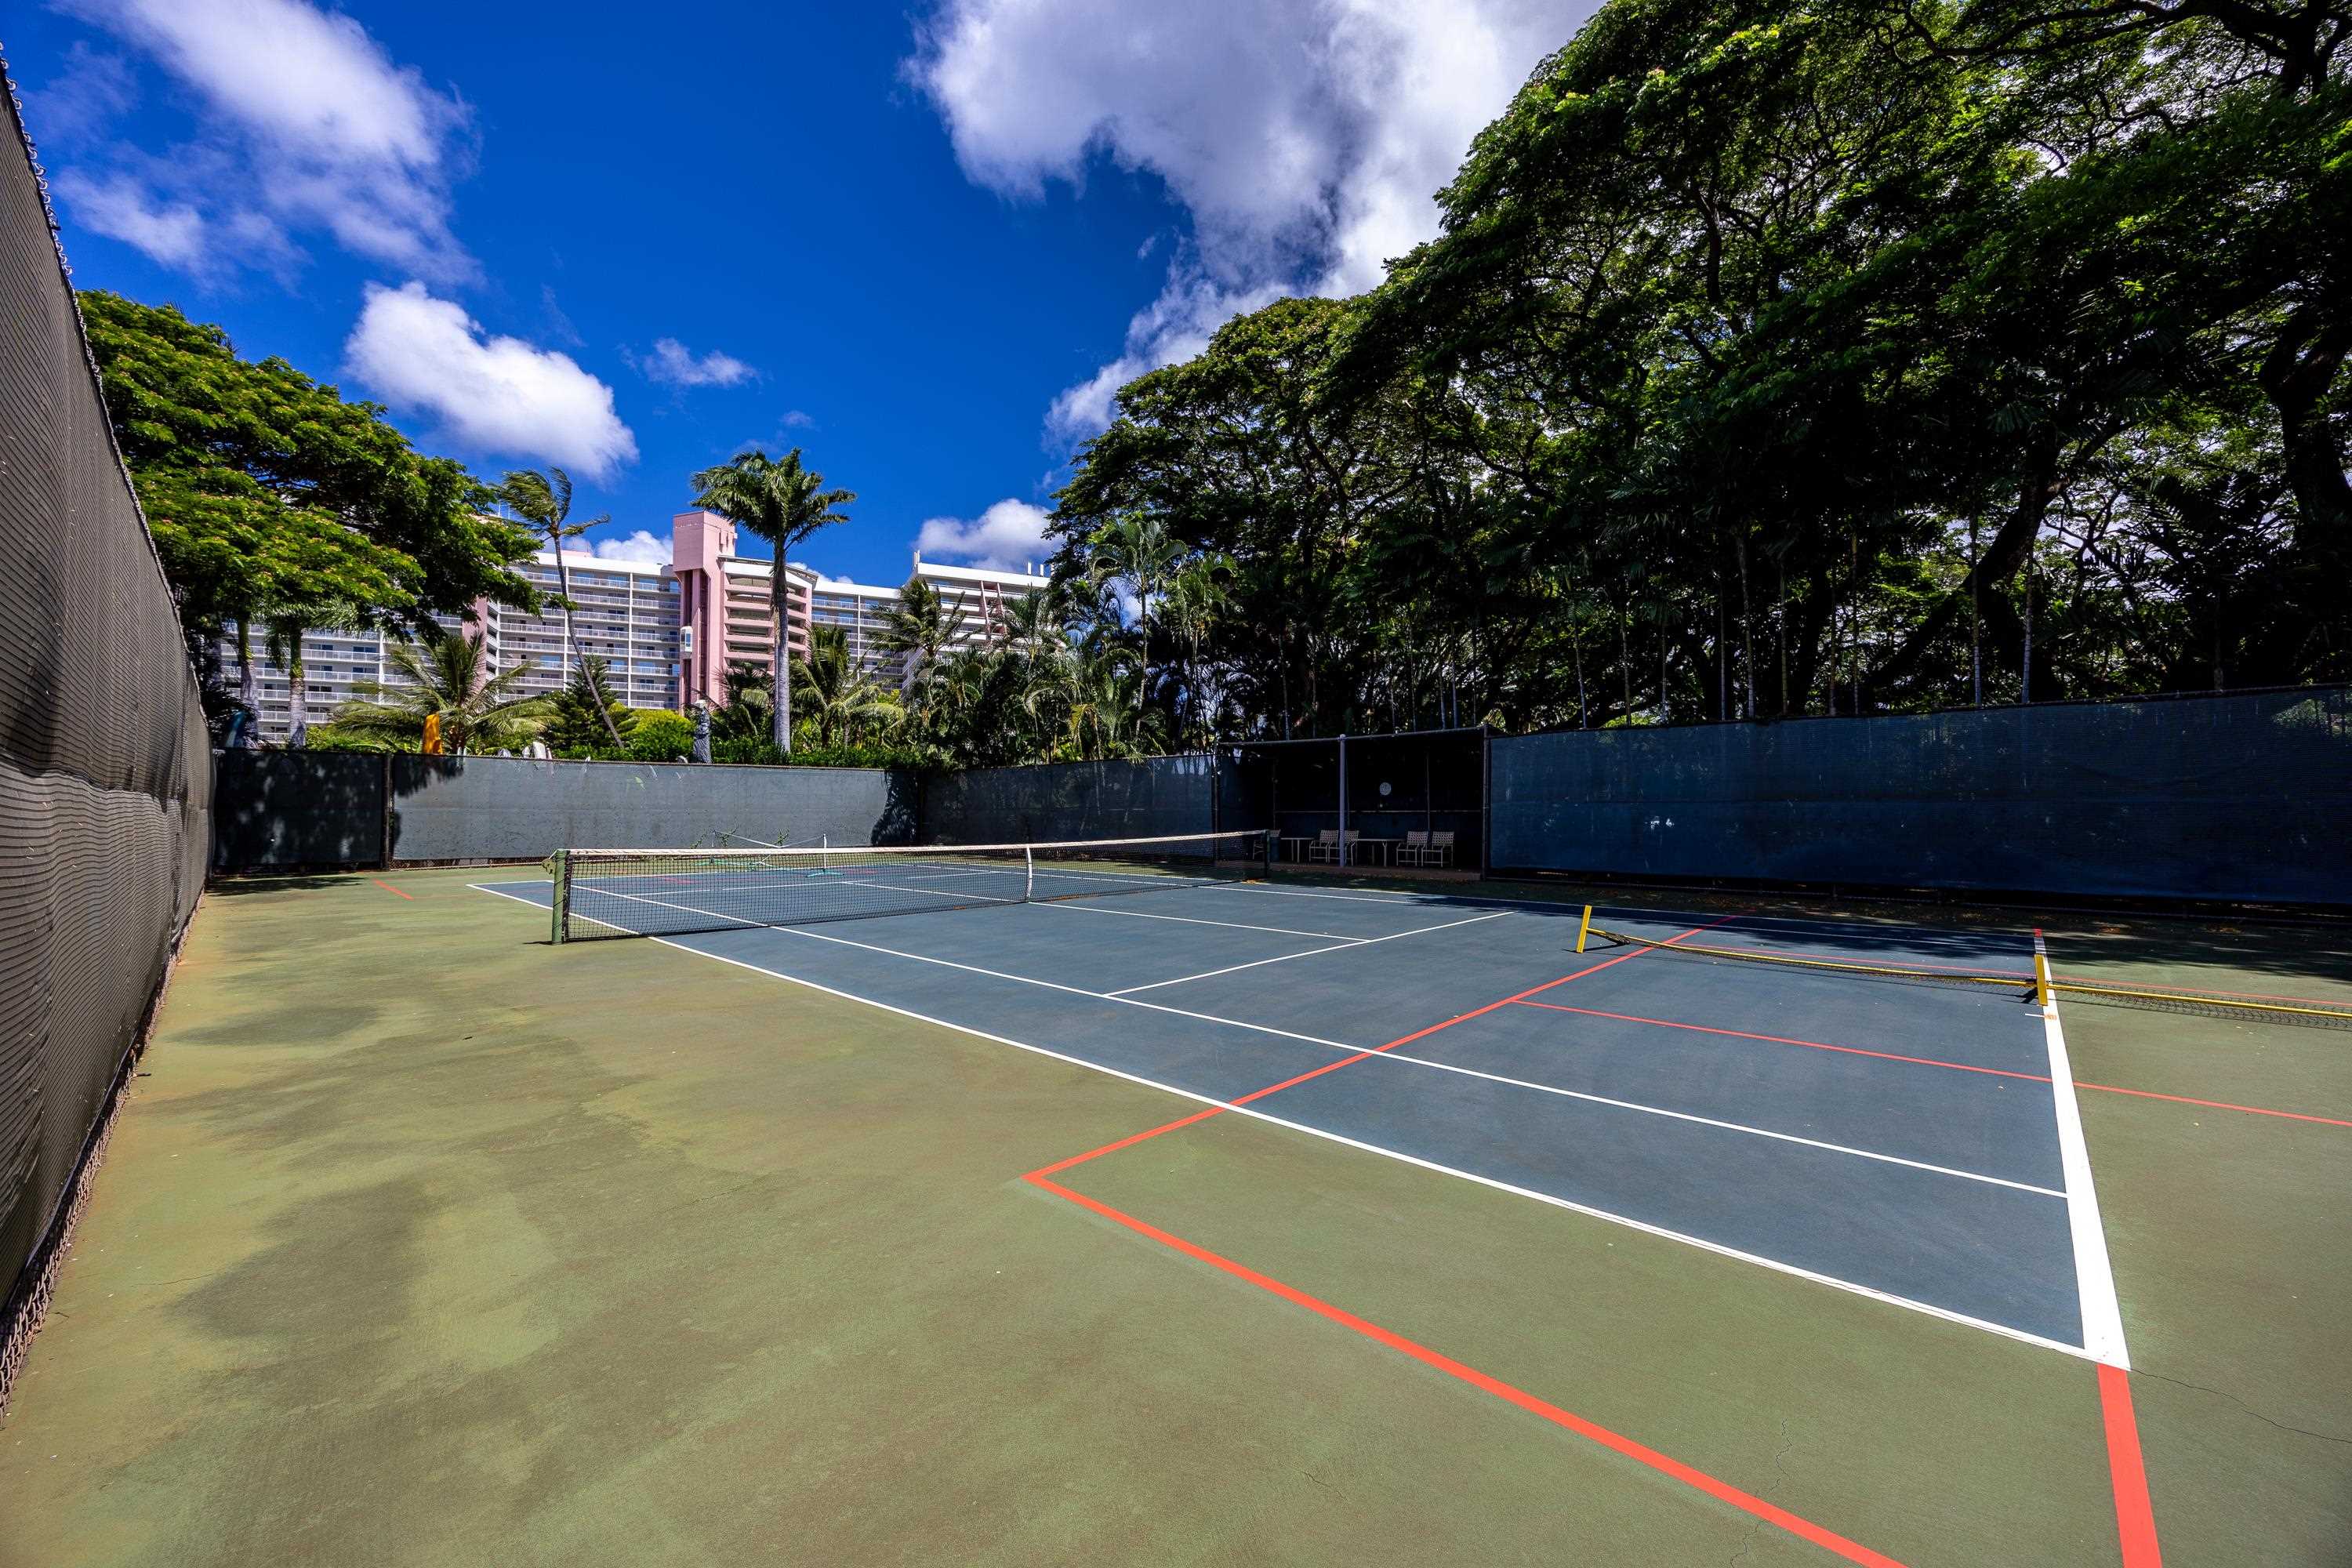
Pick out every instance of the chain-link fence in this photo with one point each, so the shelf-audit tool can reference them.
(2229, 797)
(105, 772)
(1129, 797)
(322, 810)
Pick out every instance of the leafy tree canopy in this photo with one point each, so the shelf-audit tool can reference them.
(272, 497)
(1780, 361)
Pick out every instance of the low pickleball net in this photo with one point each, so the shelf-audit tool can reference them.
(671, 892)
(2019, 983)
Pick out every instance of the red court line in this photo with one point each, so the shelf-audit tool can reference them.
(1936, 1062)
(2134, 1519)
(2190, 993)
(1457, 1018)
(1616, 1442)
(1061, 1166)
(388, 888)
(2025, 977)
(2215, 1104)
(1789, 1040)
(2022, 977)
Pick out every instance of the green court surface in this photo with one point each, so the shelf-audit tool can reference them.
(423, 1241)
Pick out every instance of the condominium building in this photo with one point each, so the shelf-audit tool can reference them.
(727, 608)
(334, 664)
(668, 633)
(725, 616)
(625, 611)
(861, 611)
(977, 596)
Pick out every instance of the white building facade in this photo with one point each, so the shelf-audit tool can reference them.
(667, 632)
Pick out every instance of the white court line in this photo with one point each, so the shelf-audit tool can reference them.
(665, 903)
(1286, 958)
(1086, 909)
(1441, 1066)
(2095, 1279)
(1123, 996)
(1793, 1270)
(1386, 896)
(928, 892)
(1727, 1126)
(1801, 922)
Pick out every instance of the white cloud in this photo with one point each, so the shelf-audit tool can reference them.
(305, 116)
(90, 90)
(673, 364)
(794, 419)
(1007, 536)
(119, 206)
(497, 394)
(639, 546)
(1307, 138)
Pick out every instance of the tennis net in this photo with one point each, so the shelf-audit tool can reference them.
(2304, 1011)
(670, 892)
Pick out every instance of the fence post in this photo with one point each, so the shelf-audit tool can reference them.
(1343, 797)
(384, 854)
(1485, 802)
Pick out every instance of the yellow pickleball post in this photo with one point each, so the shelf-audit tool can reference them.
(2040, 972)
(1585, 930)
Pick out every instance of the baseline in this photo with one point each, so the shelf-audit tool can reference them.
(1216, 1105)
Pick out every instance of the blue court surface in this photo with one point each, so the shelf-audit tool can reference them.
(1913, 1143)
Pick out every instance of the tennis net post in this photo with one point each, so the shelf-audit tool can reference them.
(558, 867)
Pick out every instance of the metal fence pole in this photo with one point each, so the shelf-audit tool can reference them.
(1485, 802)
(1343, 797)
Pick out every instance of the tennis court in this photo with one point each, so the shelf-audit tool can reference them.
(1914, 1142)
(1882, 1111)
(1301, 1221)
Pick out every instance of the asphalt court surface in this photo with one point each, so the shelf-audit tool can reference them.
(1899, 1140)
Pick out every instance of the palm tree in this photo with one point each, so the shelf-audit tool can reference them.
(920, 628)
(1135, 549)
(1032, 625)
(1197, 595)
(839, 696)
(286, 627)
(447, 675)
(544, 500)
(784, 503)
(744, 716)
(1101, 716)
(584, 700)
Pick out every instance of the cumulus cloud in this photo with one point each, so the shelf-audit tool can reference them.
(639, 546)
(171, 234)
(673, 364)
(1007, 536)
(499, 396)
(305, 116)
(1306, 138)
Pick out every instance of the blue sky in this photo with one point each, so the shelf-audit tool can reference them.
(923, 245)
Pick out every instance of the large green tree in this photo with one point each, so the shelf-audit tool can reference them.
(1775, 362)
(273, 501)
